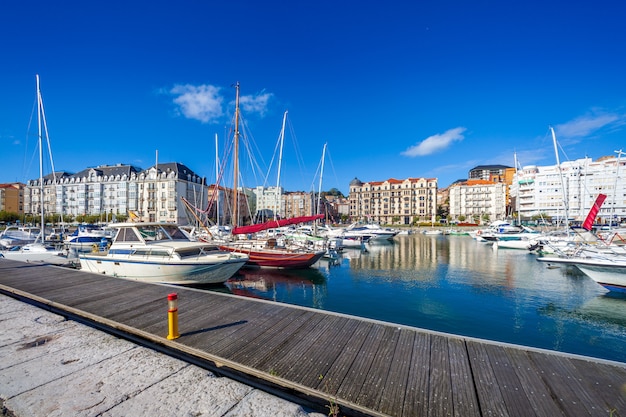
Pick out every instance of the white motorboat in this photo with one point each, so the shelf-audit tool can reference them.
(606, 268)
(18, 235)
(162, 253)
(37, 252)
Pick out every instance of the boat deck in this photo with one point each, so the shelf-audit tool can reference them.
(365, 367)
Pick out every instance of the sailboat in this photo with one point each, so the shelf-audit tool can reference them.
(38, 251)
(268, 253)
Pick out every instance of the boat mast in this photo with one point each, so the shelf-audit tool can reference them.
(216, 192)
(280, 162)
(319, 190)
(558, 164)
(519, 215)
(40, 139)
(619, 156)
(235, 219)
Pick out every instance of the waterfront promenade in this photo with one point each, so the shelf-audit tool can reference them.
(310, 357)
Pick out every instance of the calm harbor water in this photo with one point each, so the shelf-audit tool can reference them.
(456, 285)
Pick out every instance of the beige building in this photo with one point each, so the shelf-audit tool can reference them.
(12, 198)
(393, 201)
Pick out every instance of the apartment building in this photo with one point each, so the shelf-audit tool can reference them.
(153, 194)
(572, 188)
(478, 200)
(393, 201)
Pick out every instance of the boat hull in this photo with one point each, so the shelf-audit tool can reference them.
(56, 258)
(611, 275)
(612, 278)
(269, 258)
(180, 273)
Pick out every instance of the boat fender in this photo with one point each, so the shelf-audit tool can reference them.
(94, 248)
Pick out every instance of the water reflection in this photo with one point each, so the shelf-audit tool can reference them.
(457, 285)
(300, 287)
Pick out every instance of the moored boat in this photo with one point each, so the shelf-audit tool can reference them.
(38, 251)
(162, 253)
(606, 268)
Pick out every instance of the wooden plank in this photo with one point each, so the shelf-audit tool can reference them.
(607, 381)
(537, 392)
(373, 387)
(418, 384)
(440, 400)
(509, 383)
(566, 384)
(247, 334)
(334, 376)
(297, 353)
(350, 387)
(490, 398)
(270, 337)
(270, 362)
(323, 355)
(463, 392)
(395, 387)
(233, 327)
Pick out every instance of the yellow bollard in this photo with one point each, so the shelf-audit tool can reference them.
(172, 316)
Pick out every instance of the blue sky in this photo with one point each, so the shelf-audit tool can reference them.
(396, 89)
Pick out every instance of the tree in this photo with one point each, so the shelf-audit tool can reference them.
(8, 217)
(333, 191)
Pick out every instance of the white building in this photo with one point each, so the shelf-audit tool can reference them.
(550, 191)
(153, 194)
(478, 200)
(269, 200)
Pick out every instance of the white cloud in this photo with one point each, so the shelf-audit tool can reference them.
(201, 102)
(584, 126)
(256, 103)
(435, 143)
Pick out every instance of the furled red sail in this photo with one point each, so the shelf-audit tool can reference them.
(274, 223)
(593, 212)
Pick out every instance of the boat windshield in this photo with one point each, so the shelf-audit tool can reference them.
(155, 233)
(150, 233)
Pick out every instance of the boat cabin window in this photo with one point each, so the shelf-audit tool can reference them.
(126, 234)
(174, 232)
(196, 251)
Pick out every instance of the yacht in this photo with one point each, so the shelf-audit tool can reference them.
(162, 253)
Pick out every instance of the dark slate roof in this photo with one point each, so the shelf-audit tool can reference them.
(489, 167)
(109, 170)
(181, 169)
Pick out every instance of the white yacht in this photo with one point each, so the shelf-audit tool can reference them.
(162, 253)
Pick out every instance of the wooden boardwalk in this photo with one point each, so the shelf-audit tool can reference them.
(364, 366)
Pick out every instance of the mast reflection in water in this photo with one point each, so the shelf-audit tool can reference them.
(456, 285)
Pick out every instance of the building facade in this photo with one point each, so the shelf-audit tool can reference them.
(153, 194)
(572, 188)
(12, 198)
(270, 201)
(478, 201)
(393, 201)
